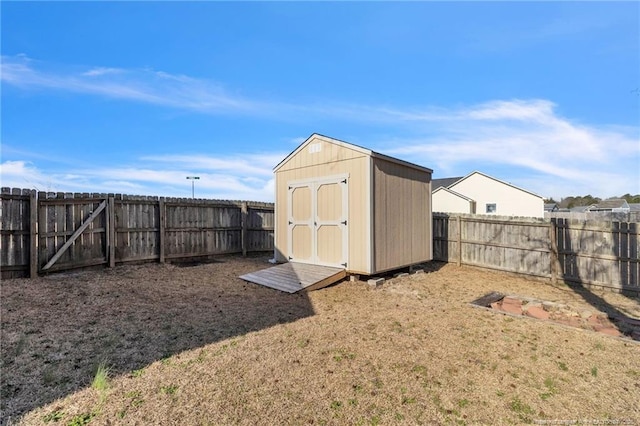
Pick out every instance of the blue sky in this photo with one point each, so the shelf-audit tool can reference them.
(132, 97)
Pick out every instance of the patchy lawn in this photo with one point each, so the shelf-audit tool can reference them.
(196, 345)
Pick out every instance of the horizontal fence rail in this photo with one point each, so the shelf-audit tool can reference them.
(46, 232)
(597, 253)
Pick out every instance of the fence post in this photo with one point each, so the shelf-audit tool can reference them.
(33, 234)
(245, 226)
(162, 223)
(459, 260)
(111, 213)
(553, 241)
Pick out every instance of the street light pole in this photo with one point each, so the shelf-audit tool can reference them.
(193, 185)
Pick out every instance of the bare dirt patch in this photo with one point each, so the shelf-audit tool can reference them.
(196, 345)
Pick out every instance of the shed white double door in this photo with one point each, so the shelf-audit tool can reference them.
(318, 231)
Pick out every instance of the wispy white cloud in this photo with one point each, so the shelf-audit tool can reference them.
(531, 136)
(527, 135)
(246, 165)
(102, 71)
(151, 177)
(141, 85)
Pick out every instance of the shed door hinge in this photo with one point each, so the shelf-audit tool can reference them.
(344, 264)
(343, 181)
(344, 222)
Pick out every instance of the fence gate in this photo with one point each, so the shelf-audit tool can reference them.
(72, 231)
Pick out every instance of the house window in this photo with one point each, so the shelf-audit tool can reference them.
(491, 208)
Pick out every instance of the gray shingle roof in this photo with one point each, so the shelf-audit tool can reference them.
(549, 207)
(613, 203)
(437, 183)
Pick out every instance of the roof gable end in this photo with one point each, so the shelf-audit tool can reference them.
(315, 137)
(454, 193)
(495, 179)
(347, 145)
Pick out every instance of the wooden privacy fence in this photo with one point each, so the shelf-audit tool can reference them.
(582, 252)
(41, 232)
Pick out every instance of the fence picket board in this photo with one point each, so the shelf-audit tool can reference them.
(623, 254)
(634, 250)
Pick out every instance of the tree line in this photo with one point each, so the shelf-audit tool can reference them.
(588, 200)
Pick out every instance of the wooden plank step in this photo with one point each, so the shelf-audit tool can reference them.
(293, 277)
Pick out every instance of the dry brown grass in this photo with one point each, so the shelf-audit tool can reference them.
(199, 346)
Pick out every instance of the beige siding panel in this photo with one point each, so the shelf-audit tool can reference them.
(329, 202)
(402, 232)
(337, 160)
(329, 244)
(446, 202)
(301, 203)
(301, 242)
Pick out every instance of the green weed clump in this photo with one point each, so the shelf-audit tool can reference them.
(101, 378)
(101, 383)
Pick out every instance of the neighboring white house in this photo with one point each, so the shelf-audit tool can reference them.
(615, 205)
(482, 194)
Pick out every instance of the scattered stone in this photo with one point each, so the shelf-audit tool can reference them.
(602, 315)
(532, 304)
(594, 320)
(418, 271)
(585, 314)
(550, 306)
(401, 275)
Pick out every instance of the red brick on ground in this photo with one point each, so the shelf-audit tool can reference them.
(511, 305)
(537, 312)
(611, 331)
(594, 320)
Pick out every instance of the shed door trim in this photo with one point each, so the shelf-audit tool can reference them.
(309, 228)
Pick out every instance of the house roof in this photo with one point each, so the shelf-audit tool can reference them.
(348, 145)
(457, 194)
(634, 207)
(612, 203)
(580, 209)
(444, 182)
(497, 180)
(550, 207)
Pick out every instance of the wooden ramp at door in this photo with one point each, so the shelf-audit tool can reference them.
(292, 277)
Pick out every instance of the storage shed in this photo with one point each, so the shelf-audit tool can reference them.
(341, 205)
